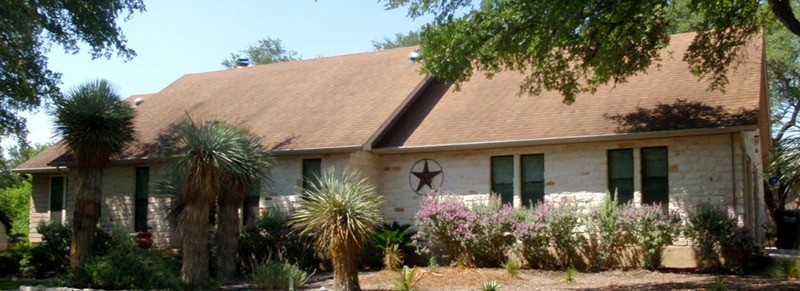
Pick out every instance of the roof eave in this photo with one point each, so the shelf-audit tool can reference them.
(564, 140)
(39, 170)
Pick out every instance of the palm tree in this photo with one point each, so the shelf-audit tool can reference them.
(251, 173)
(341, 211)
(95, 125)
(214, 156)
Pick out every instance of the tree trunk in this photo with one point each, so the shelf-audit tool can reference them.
(227, 237)
(86, 214)
(345, 272)
(194, 230)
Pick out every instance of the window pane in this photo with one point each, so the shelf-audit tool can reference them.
(620, 174)
(503, 177)
(56, 198)
(142, 192)
(250, 210)
(655, 182)
(532, 179)
(311, 170)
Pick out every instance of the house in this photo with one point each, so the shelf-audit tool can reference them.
(661, 137)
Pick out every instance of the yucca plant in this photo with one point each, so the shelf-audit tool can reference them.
(95, 125)
(214, 156)
(491, 286)
(341, 212)
(407, 281)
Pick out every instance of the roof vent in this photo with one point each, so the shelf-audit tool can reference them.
(242, 63)
(138, 101)
(414, 56)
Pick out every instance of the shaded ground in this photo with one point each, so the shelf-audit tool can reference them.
(471, 279)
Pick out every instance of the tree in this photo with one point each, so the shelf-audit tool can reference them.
(267, 51)
(95, 125)
(341, 211)
(27, 31)
(400, 40)
(216, 159)
(251, 172)
(15, 192)
(575, 47)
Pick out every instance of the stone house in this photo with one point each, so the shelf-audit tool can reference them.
(661, 137)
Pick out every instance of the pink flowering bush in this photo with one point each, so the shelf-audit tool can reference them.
(473, 236)
(651, 229)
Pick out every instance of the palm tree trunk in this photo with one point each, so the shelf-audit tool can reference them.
(195, 244)
(86, 214)
(345, 272)
(227, 237)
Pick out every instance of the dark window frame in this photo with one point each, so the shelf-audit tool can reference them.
(141, 198)
(309, 178)
(63, 202)
(649, 198)
(506, 198)
(538, 184)
(623, 196)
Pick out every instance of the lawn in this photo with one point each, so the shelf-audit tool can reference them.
(446, 278)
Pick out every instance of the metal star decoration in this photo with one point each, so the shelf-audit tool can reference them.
(425, 177)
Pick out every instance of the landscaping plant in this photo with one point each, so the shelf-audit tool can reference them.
(608, 234)
(393, 241)
(569, 275)
(341, 211)
(279, 276)
(652, 231)
(490, 286)
(407, 281)
(269, 238)
(715, 236)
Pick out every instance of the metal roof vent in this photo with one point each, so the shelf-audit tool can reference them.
(138, 101)
(242, 63)
(414, 56)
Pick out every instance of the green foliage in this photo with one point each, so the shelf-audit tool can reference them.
(28, 31)
(400, 40)
(125, 266)
(15, 203)
(491, 286)
(279, 276)
(393, 241)
(266, 51)
(512, 268)
(784, 268)
(653, 230)
(270, 239)
(715, 236)
(573, 48)
(10, 260)
(52, 255)
(607, 233)
(407, 281)
(342, 211)
(432, 264)
(719, 285)
(569, 275)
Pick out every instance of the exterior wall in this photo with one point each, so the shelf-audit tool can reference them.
(701, 169)
(40, 203)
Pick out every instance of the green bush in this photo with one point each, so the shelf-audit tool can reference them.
(125, 266)
(52, 255)
(652, 231)
(608, 235)
(389, 246)
(9, 259)
(715, 236)
(279, 276)
(269, 238)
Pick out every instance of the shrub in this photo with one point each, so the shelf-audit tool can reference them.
(474, 236)
(783, 268)
(561, 223)
(279, 276)
(52, 255)
(652, 231)
(608, 234)
(126, 267)
(390, 245)
(715, 235)
(9, 259)
(269, 238)
(490, 286)
(531, 230)
(569, 275)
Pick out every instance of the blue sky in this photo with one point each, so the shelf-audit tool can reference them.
(173, 38)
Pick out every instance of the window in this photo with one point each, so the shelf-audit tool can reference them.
(142, 191)
(655, 183)
(532, 179)
(620, 174)
(503, 178)
(250, 210)
(57, 194)
(311, 171)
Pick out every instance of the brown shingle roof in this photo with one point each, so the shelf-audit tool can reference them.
(665, 97)
(318, 103)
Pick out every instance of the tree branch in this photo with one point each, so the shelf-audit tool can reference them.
(789, 123)
(783, 11)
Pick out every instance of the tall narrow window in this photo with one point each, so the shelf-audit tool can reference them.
(142, 191)
(655, 183)
(620, 174)
(311, 170)
(532, 179)
(250, 209)
(503, 178)
(57, 189)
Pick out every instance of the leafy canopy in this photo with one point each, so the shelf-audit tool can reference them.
(266, 51)
(575, 46)
(399, 40)
(28, 29)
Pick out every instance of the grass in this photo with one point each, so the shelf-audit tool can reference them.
(14, 284)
